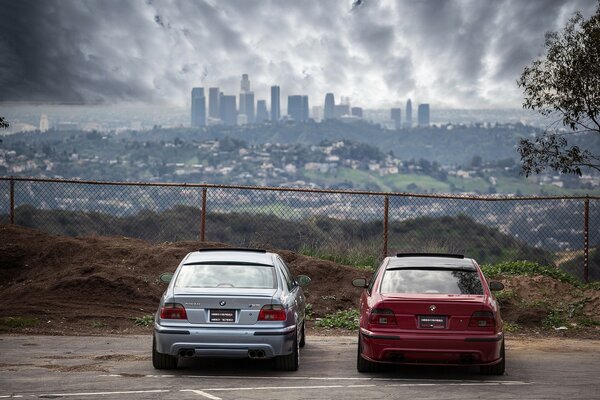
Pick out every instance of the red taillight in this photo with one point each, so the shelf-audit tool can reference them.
(483, 320)
(173, 311)
(272, 312)
(382, 316)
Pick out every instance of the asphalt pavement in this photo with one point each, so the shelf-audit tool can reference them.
(119, 367)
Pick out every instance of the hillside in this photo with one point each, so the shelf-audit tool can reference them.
(97, 285)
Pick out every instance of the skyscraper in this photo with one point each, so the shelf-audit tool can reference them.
(228, 110)
(409, 114)
(357, 112)
(44, 123)
(245, 83)
(298, 107)
(423, 114)
(396, 116)
(262, 114)
(275, 108)
(341, 109)
(246, 99)
(213, 102)
(198, 107)
(247, 105)
(329, 109)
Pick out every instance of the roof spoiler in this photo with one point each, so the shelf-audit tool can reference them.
(232, 249)
(445, 255)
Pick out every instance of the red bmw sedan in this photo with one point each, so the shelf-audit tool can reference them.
(430, 309)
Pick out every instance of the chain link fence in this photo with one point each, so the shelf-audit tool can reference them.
(350, 227)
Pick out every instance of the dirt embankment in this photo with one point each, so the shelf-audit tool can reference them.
(99, 285)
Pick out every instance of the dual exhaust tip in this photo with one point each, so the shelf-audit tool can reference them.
(256, 354)
(187, 352)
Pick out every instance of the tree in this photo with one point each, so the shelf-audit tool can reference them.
(3, 123)
(566, 84)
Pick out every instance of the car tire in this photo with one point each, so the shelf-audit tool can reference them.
(496, 369)
(160, 360)
(303, 337)
(363, 365)
(290, 362)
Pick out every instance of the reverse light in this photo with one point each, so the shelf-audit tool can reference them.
(173, 311)
(272, 312)
(382, 316)
(482, 319)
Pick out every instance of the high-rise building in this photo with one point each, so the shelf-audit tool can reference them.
(262, 114)
(213, 102)
(44, 125)
(228, 110)
(198, 107)
(247, 105)
(396, 116)
(423, 114)
(298, 107)
(409, 114)
(329, 108)
(275, 107)
(357, 112)
(245, 83)
(340, 110)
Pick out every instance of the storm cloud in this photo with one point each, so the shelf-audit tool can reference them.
(463, 54)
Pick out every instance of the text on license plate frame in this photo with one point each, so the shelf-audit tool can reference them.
(218, 315)
(433, 321)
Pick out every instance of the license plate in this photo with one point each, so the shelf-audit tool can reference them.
(430, 322)
(222, 315)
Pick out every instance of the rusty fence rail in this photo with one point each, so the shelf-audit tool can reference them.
(348, 226)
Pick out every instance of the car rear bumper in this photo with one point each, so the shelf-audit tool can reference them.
(431, 348)
(224, 342)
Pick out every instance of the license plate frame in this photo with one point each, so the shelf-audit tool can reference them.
(222, 316)
(433, 321)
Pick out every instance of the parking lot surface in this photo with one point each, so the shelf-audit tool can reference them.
(116, 367)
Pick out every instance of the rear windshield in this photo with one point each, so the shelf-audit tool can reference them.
(226, 276)
(434, 281)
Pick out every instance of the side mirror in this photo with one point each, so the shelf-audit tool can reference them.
(496, 286)
(359, 282)
(303, 280)
(166, 277)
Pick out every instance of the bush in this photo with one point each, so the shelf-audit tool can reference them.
(527, 268)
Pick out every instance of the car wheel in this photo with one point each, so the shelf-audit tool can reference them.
(291, 361)
(496, 369)
(160, 360)
(363, 365)
(303, 337)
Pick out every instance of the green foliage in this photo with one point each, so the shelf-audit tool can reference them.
(145, 320)
(308, 312)
(17, 322)
(527, 268)
(512, 327)
(565, 83)
(97, 324)
(344, 319)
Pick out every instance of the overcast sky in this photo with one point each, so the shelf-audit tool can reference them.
(453, 54)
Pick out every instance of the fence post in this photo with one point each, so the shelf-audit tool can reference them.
(12, 201)
(586, 239)
(386, 203)
(203, 218)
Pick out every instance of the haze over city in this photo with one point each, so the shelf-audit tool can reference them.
(455, 54)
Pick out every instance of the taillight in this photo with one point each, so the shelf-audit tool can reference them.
(482, 319)
(173, 311)
(382, 316)
(272, 312)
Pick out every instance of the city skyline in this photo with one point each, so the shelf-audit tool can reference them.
(452, 54)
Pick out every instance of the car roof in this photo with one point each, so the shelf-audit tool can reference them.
(430, 262)
(230, 255)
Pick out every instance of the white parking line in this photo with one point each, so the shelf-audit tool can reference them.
(201, 393)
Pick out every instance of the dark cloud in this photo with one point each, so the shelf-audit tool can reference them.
(462, 53)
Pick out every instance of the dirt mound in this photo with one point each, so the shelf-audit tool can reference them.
(100, 284)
